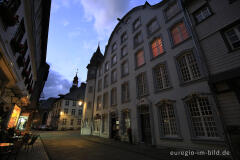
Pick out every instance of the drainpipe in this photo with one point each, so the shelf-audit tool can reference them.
(202, 56)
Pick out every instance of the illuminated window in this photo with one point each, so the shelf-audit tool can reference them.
(140, 58)
(157, 47)
(179, 33)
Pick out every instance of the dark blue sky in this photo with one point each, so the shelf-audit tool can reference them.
(76, 27)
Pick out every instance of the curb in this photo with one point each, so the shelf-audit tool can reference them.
(45, 148)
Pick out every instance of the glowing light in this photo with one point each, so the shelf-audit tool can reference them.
(80, 103)
(61, 113)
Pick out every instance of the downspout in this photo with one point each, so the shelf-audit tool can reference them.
(202, 56)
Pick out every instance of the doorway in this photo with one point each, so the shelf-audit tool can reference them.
(145, 124)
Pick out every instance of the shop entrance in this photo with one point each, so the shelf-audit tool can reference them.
(145, 124)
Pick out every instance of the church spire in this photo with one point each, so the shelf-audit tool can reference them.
(75, 79)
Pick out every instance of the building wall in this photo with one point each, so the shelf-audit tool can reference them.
(177, 92)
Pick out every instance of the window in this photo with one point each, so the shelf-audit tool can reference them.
(152, 26)
(142, 85)
(16, 41)
(67, 102)
(126, 121)
(105, 100)
(140, 58)
(233, 36)
(100, 71)
(114, 96)
(136, 24)
(179, 33)
(99, 102)
(202, 14)
(124, 51)
(124, 68)
(168, 120)
(172, 10)
(65, 110)
(72, 120)
(125, 92)
(79, 112)
(161, 77)
(114, 46)
(114, 76)
(89, 105)
(124, 37)
(74, 103)
(157, 47)
(105, 81)
(114, 60)
(202, 118)
(106, 66)
(104, 123)
(99, 85)
(138, 39)
(79, 122)
(73, 112)
(90, 89)
(188, 67)
(64, 121)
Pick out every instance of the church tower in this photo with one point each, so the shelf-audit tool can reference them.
(92, 67)
(75, 83)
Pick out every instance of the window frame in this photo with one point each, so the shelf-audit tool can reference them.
(134, 22)
(123, 40)
(148, 25)
(125, 46)
(112, 63)
(135, 58)
(122, 68)
(214, 113)
(105, 81)
(113, 47)
(206, 5)
(168, 76)
(150, 46)
(168, 5)
(113, 80)
(128, 92)
(136, 44)
(137, 88)
(170, 33)
(111, 101)
(106, 66)
(198, 61)
(158, 105)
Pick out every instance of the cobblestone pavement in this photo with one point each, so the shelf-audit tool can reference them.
(69, 145)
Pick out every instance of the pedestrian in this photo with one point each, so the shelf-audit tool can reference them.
(129, 131)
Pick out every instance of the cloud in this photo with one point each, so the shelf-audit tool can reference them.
(56, 84)
(76, 32)
(104, 13)
(65, 23)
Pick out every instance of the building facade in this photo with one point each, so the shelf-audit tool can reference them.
(220, 44)
(153, 81)
(23, 42)
(67, 110)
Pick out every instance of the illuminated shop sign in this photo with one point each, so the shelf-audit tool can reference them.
(14, 116)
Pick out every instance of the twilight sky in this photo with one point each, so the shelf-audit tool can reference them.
(76, 27)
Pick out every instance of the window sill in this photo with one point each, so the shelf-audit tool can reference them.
(171, 138)
(157, 57)
(140, 66)
(163, 89)
(192, 81)
(125, 75)
(208, 139)
(180, 43)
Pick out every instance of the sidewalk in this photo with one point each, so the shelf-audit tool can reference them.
(38, 152)
(162, 153)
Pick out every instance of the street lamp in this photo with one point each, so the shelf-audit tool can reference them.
(80, 102)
